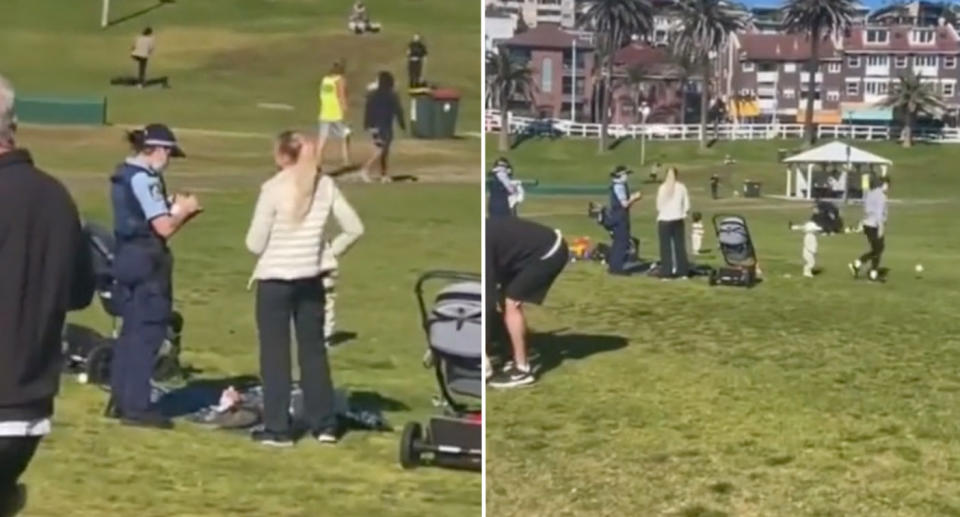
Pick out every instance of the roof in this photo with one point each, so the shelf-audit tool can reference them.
(837, 152)
(899, 40)
(656, 62)
(782, 47)
(546, 35)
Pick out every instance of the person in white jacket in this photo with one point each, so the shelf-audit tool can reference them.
(673, 204)
(811, 231)
(287, 235)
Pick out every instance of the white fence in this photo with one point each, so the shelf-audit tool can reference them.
(519, 124)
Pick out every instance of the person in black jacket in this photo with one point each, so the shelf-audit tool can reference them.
(382, 107)
(46, 271)
(416, 57)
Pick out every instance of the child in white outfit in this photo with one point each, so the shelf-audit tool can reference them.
(328, 274)
(696, 233)
(810, 231)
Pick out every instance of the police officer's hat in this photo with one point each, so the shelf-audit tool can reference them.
(501, 162)
(159, 135)
(620, 170)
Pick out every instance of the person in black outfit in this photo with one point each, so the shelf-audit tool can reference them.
(416, 57)
(523, 259)
(714, 186)
(383, 106)
(46, 271)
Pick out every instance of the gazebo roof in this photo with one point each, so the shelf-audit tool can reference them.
(837, 152)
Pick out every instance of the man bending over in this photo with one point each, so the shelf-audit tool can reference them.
(523, 259)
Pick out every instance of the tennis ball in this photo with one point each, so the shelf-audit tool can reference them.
(82, 378)
(918, 268)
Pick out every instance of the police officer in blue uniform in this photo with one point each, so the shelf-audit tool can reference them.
(619, 219)
(501, 188)
(144, 219)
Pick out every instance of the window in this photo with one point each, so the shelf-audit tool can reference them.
(877, 36)
(767, 66)
(745, 92)
(925, 61)
(789, 93)
(949, 61)
(853, 61)
(878, 61)
(546, 76)
(901, 61)
(833, 68)
(875, 88)
(833, 95)
(748, 66)
(921, 37)
(853, 88)
(949, 89)
(789, 67)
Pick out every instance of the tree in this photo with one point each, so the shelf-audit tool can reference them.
(506, 79)
(686, 66)
(614, 22)
(635, 81)
(911, 97)
(819, 19)
(706, 25)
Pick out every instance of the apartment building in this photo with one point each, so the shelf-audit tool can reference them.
(856, 71)
(535, 12)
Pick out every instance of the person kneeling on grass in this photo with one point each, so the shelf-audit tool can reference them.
(523, 259)
(286, 234)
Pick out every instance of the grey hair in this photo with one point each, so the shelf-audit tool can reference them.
(8, 116)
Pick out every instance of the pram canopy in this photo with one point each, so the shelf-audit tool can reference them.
(734, 240)
(455, 321)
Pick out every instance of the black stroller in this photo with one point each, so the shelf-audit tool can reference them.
(453, 328)
(89, 354)
(736, 246)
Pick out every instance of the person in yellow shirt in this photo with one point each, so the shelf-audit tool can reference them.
(333, 112)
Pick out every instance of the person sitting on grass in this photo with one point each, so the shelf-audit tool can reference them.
(523, 259)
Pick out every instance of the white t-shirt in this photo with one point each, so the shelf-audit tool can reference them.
(673, 208)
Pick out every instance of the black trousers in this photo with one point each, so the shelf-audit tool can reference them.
(414, 70)
(141, 69)
(15, 454)
(673, 249)
(876, 247)
(278, 303)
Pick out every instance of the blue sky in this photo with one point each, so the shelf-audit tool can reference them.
(873, 4)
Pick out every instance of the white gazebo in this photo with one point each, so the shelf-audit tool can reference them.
(837, 154)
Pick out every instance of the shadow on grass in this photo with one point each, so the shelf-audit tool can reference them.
(141, 12)
(554, 349)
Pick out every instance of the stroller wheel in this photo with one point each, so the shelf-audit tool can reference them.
(98, 363)
(410, 445)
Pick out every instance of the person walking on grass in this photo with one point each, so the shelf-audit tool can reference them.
(287, 235)
(141, 51)
(673, 204)
(523, 259)
(333, 112)
(382, 107)
(46, 271)
(874, 227)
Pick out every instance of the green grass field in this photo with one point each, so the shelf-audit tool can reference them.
(224, 57)
(799, 397)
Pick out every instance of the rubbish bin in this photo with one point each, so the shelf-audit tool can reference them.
(751, 188)
(421, 113)
(446, 104)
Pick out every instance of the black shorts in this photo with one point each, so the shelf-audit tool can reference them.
(381, 137)
(533, 282)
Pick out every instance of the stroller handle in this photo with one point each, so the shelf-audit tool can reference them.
(439, 274)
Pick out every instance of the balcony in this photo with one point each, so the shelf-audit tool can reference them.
(767, 105)
(878, 70)
(805, 77)
(926, 71)
(767, 77)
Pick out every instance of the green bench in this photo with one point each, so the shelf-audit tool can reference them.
(90, 111)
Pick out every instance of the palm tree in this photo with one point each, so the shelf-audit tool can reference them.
(706, 24)
(635, 80)
(506, 78)
(687, 66)
(614, 22)
(819, 19)
(911, 97)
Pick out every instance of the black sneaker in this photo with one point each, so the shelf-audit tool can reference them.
(112, 411)
(271, 438)
(328, 435)
(151, 419)
(512, 377)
